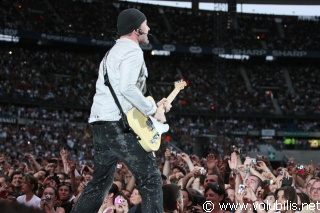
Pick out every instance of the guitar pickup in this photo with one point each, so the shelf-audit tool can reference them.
(149, 124)
(155, 137)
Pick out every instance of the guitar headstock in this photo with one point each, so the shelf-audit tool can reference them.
(180, 84)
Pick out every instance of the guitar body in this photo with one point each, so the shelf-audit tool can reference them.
(148, 129)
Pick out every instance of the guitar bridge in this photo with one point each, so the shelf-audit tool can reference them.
(155, 137)
(149, 124)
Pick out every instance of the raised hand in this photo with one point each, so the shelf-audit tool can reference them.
(72, 166)
(211, 161)
(233, 161)
(196, 159)
(311, 168)
(250, 194)
(81, 187)
(247, 161)
(64, 154)
(261, 165)
(241, 168)
(279, 180)
(167, 154)
(185, 157)
(47, 205)
(239, 197)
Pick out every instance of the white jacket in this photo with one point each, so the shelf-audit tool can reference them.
(127, 74)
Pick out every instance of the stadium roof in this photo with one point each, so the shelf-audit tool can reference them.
(281, 2)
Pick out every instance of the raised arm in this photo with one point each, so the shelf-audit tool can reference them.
(166, 166)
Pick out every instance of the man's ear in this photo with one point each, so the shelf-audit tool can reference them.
(32, 186)
(136, 32)
(258, 190)
(221, 197)
(111, 195)
(177, 206)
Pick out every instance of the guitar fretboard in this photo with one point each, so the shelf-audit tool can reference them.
(173, 94)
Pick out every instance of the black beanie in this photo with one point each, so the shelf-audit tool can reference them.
(128, 20)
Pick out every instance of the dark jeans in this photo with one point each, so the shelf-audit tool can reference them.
(110, 145)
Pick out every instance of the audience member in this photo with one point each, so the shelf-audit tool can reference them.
(172, 198)
(29, 186)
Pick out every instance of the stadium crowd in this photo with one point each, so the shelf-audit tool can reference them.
(58, 76)
(55, 143)
(169, 25)
(51, 90)
(46, 153)
(226, 181)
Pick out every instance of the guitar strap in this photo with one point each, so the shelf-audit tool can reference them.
(125, 125)
(148, 92)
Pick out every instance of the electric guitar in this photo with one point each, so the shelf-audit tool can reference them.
(148, 129)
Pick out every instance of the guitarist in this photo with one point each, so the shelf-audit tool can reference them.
(127, 74)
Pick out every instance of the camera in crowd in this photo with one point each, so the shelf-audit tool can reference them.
(47, 197)
(118, 200)
(269, 182)
(241, 188)
(253, 161)
(282, 172)
(300, 167)
(202, 171)
(236, 149)
(175, 153)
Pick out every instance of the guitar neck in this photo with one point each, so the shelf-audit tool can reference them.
(173, 94)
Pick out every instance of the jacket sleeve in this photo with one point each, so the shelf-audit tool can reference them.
(130, 68)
